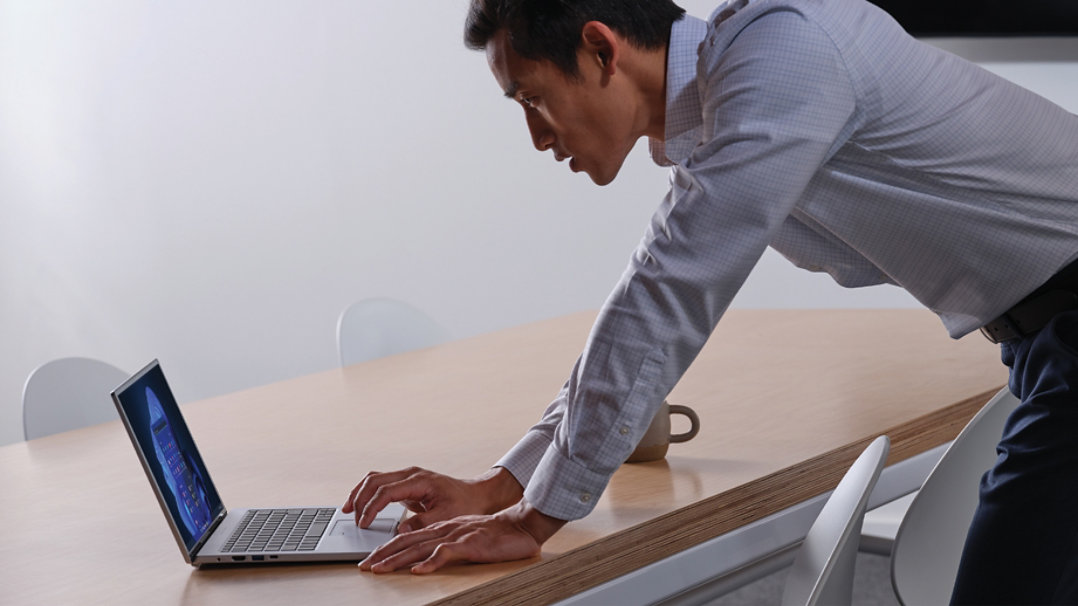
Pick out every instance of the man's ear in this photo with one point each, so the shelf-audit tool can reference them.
(602, 45)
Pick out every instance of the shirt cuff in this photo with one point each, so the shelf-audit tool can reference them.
(522, 459)
(564, 489)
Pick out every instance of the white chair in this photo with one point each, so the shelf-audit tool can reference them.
(68, 393)
(929, 542)
(373, 328)
(822, 572)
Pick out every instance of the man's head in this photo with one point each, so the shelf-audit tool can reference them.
(550, 29)
(589, 73)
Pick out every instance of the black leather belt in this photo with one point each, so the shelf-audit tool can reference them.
(1031, 314)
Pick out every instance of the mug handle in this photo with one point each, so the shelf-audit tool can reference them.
(694, 420)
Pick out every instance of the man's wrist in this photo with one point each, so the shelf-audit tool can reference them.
(536, 523)
(501, 488)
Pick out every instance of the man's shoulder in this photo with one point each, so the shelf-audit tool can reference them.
(730, 18)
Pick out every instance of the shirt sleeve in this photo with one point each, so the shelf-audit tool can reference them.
(776, 103)
(524, 457)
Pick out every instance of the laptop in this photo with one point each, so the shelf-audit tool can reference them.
(206, 532)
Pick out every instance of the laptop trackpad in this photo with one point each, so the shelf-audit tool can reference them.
(380, 527)
(346, 536)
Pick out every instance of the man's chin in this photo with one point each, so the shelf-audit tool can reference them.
(604, 176)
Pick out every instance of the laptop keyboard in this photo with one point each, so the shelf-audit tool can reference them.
(280, 530)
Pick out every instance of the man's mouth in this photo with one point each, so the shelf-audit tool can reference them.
(562, 156)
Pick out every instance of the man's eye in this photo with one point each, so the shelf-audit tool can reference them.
(528, 102)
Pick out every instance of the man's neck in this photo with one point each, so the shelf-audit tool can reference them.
(653, 88)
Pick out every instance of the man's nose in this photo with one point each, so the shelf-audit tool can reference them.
(542, 136)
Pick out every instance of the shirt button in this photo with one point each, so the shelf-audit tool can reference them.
(624, 430)
(585, 497)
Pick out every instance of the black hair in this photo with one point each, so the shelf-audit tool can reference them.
(550, 29)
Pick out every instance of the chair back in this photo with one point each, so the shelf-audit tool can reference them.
(68, 393)
(929, 542)
(378, 327)
(822, 572)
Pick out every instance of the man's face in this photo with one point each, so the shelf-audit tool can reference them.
(583, 120)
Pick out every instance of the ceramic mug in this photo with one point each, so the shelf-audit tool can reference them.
(657, 438)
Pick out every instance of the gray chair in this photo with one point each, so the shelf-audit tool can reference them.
(378, 327)
(822, 572)
(929, 542)
(68, 393)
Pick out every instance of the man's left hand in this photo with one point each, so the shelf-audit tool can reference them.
(513, 534)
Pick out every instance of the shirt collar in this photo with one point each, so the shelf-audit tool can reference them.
(683, 107)
(682, 95)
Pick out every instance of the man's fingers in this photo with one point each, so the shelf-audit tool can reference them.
(462, 539)
(423, 558)
(416, 522)
(443, 555)
(405, 540)
(360, 496)
(405, 558)
(406, 549)
(347, 507)
(410, 489)
(366, 481)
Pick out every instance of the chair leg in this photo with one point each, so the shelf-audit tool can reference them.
(881, 525)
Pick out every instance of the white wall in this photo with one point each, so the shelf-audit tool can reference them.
(211, 182)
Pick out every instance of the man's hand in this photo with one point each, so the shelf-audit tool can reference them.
(433, 497)
(513, 534)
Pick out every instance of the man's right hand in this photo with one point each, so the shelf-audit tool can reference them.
(433, 497)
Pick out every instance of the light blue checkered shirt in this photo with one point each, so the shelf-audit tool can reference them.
(820, 128)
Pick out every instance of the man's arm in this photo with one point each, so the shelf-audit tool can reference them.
(434, 497)
(775, 105)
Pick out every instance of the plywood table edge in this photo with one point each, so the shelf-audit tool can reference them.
(562, 576)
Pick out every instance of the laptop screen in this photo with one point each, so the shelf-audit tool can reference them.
(168, 454)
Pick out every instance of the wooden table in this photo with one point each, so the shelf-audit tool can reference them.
(787, 399)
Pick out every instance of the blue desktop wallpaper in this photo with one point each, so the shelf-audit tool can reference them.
(162, 435)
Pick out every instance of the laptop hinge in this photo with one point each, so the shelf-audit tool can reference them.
(209, 532)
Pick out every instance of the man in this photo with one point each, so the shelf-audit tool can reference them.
(820, 128)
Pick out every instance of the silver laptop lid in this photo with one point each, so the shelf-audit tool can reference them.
(169, 456)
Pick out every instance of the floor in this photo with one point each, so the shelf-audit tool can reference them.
(871, 586)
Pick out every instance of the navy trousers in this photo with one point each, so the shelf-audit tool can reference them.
(1022, 546)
